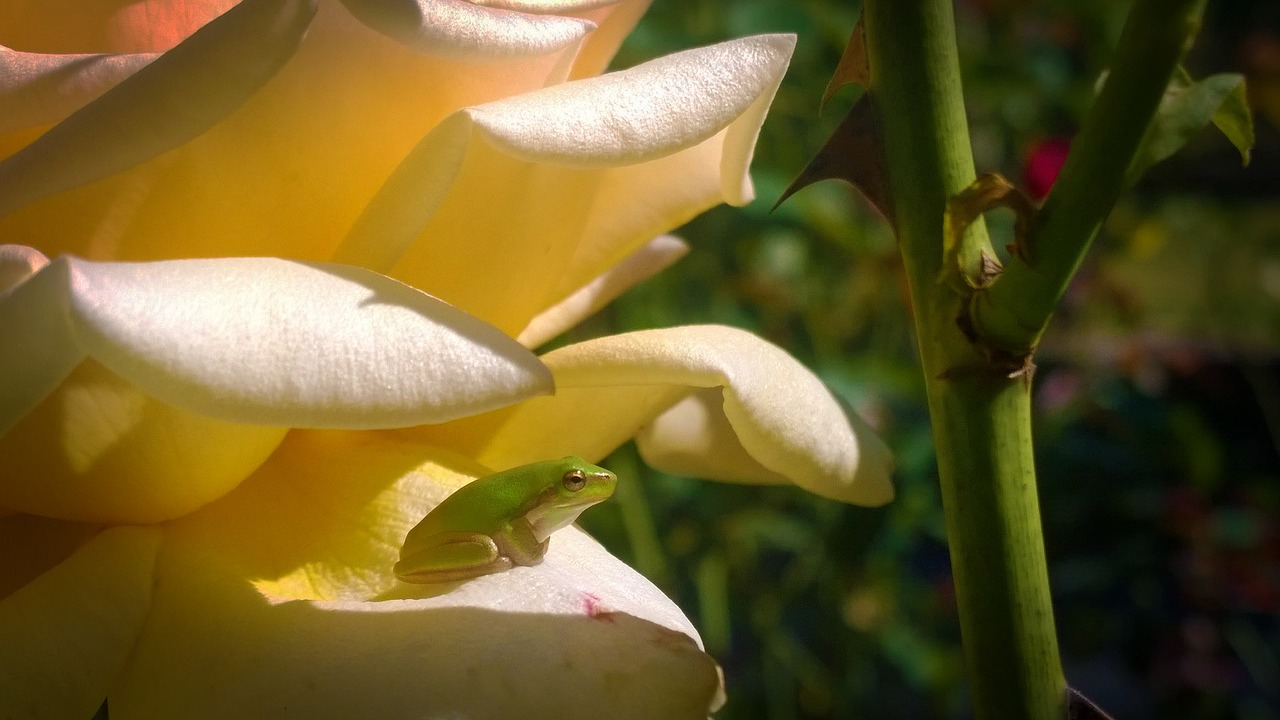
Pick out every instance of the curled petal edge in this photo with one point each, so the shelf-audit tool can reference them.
(460, 29)
(261, 341)
(632, 116)
(38, 89)
(781, 415)
(706, 401)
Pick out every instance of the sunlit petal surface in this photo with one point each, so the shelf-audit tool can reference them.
(273, 590)
(66, 635)
(709, 401)
(139, 391)
(543, 190)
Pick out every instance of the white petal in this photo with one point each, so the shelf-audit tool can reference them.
(695, 439)
(539, 7)
(17, 263)
(781, 414)
(263, 341)
(463, 29)
(38, 89)
(665, 105)
(39, 347)
(708, 401)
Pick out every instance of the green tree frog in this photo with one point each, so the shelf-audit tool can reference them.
(501, 520)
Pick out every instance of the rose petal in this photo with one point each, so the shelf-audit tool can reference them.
(276, 342)
(310, 173)
(206, 364)
(614, 22)
(38, 89)
(43, 544)
(237, 617)
(649, 111)
(465, 29)
(176, 97)
(589, 422)
(489, 28)
(694, 438)
(17, 263)
(224, 652)
(772, 419)
(39, 348)
(66, 635)
(544, 7)
(557, 174)
(662, 252)
(100, 450)
(324, 517)
(74, 26)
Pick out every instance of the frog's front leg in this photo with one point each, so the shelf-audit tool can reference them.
(518, 543)
(452, 556)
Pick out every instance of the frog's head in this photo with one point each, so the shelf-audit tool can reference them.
(573, 485)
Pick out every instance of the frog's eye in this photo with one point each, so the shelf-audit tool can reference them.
(575, 480)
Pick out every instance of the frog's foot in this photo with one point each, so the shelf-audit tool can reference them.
(521, 545)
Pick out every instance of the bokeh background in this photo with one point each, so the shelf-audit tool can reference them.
(1157, 395)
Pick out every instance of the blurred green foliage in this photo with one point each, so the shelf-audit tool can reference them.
(1158, 396)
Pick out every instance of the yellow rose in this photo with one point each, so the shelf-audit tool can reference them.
(225, 395)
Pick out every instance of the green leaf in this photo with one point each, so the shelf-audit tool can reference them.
(1187, 108)
(1235, 120)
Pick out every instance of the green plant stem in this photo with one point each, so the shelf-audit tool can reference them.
(981, 416)
(1012, 313)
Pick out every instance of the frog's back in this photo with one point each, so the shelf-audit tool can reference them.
(487, 504)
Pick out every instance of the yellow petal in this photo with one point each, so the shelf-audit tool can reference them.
(197, 367)
(73, 26)
(589, 422)
(34, 545)
(322, 136)
(98, 449)
(284, 589)
(544, 7)
(65, 636)
(323, 518)
(40, 348)
(756, 415)
(694, 438)
(614, 22)
(541, 190)
(169, 101)
(661, 252)
(224, 652)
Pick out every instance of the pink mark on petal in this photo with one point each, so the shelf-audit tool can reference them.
(592, 605)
